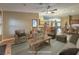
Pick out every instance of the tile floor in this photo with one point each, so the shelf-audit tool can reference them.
(23, 49)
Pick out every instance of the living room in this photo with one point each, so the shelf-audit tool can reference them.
(39, 28)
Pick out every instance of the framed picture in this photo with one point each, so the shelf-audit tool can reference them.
(41, 22)
(34, 23)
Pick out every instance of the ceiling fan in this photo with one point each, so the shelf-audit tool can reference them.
(49, 10)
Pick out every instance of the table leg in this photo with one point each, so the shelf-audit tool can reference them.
(49, 42)
(8, 49)
(34, 50)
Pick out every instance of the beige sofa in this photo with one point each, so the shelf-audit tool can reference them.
(72, 43)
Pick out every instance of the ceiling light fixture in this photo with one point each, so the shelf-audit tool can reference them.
(48, 12)
(48, 7)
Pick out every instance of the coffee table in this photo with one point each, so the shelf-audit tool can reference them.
(34, 44)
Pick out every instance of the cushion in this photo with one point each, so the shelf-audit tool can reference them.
(23, 34)
(78, 53)
(74, 38)
(69, 45)
(20, 33)
(69, 51)
(61, 38)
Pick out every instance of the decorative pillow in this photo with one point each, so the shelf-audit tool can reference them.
(17, 32)
(20, 33)
(23, 34)
(69, 45)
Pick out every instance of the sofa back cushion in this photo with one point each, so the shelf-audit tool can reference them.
(74, 38)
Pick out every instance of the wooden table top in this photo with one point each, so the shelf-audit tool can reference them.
(33, 42)
(7, 41)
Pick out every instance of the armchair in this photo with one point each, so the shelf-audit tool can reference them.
(20, 36)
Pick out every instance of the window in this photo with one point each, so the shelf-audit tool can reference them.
(34, 23)
(58, 30)
(58, 24)
(15, 24)
(0, 25)
(58, 20)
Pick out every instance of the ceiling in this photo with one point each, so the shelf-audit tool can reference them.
(63, 9)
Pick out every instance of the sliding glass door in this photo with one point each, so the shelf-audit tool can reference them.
(57, 24)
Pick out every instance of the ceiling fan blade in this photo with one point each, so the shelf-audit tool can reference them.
(54, 10)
